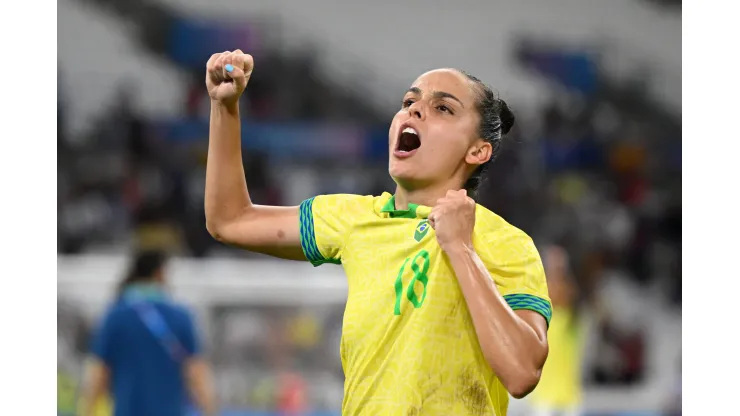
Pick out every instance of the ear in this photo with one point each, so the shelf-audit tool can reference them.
(479, 153)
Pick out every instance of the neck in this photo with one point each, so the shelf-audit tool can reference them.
(427, 196)
(145, 285)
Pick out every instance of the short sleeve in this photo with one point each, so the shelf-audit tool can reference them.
(325, 221)
(191, 337)
(516, 267)
(103, 342)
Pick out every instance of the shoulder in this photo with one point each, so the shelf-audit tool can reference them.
(495, 230)
(115, 312)
(345, 199)
(499, 242)
(342, 203)
(114, 318)
(176, 310)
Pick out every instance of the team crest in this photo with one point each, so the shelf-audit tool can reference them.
(421, 230)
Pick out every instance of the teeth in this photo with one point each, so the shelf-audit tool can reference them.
(410, 130)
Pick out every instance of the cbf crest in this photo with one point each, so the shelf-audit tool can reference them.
(421, 230)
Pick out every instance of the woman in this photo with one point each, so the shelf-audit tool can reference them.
(447, 308)
(146, 352)
(560, 391)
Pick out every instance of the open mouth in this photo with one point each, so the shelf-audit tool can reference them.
(408, 141)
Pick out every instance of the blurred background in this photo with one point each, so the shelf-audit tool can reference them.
(593, 165)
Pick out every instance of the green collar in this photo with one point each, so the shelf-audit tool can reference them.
(412, 212)
(145, 291)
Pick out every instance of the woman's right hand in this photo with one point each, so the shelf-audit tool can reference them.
(227, 75)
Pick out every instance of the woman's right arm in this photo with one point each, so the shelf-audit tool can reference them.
(231, 217)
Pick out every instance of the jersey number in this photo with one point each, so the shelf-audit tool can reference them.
(420, 275)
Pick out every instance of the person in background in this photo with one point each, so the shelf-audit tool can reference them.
(559, 392)
(146, 352)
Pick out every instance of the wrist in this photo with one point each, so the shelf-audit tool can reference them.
(225, 107)
(458, 248)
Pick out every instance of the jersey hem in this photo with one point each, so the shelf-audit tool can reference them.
(308, 236)
(518, 301)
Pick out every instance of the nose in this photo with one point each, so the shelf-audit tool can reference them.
(417, 110)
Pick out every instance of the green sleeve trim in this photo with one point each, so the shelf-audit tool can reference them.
(530, 302)
(308, 236)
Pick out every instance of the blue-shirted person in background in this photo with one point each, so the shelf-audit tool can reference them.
(146, 352)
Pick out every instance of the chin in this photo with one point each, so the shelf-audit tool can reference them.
(404, 178)
(400, 171)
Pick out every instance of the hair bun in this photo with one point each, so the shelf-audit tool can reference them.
(507, 117)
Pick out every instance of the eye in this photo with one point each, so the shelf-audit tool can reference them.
(443, 108)
(407, 103)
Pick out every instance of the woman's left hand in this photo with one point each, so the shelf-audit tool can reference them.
(453, 219)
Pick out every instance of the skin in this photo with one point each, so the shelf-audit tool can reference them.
(440, 105)
(514, 343)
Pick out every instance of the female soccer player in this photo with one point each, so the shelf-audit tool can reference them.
(560, 389)
(447, 308)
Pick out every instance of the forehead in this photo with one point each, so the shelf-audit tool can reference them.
(446, 80)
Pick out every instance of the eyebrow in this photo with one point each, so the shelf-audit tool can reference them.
(436, 94)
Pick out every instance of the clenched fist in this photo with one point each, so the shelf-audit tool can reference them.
(227, 75)
(453, 220)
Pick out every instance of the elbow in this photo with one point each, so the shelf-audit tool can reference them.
(523, 377)
(519, 379)
(225, 230)
(522, 384)
(215, 230)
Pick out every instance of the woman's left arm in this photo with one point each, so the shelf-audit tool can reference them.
(513, 342)
(511, 326)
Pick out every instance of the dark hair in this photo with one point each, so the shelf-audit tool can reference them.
(496, 119)
(143, 268)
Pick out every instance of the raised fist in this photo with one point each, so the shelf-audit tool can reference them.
(227, 75)
(453, 220)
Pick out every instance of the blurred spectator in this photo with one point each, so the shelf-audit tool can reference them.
(146, 351)
(560, 389)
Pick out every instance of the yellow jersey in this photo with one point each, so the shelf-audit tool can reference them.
(408, 343)
(560, 385)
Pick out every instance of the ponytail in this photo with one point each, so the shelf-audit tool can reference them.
(141, 270)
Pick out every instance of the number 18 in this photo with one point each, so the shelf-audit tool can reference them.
(419, 275)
